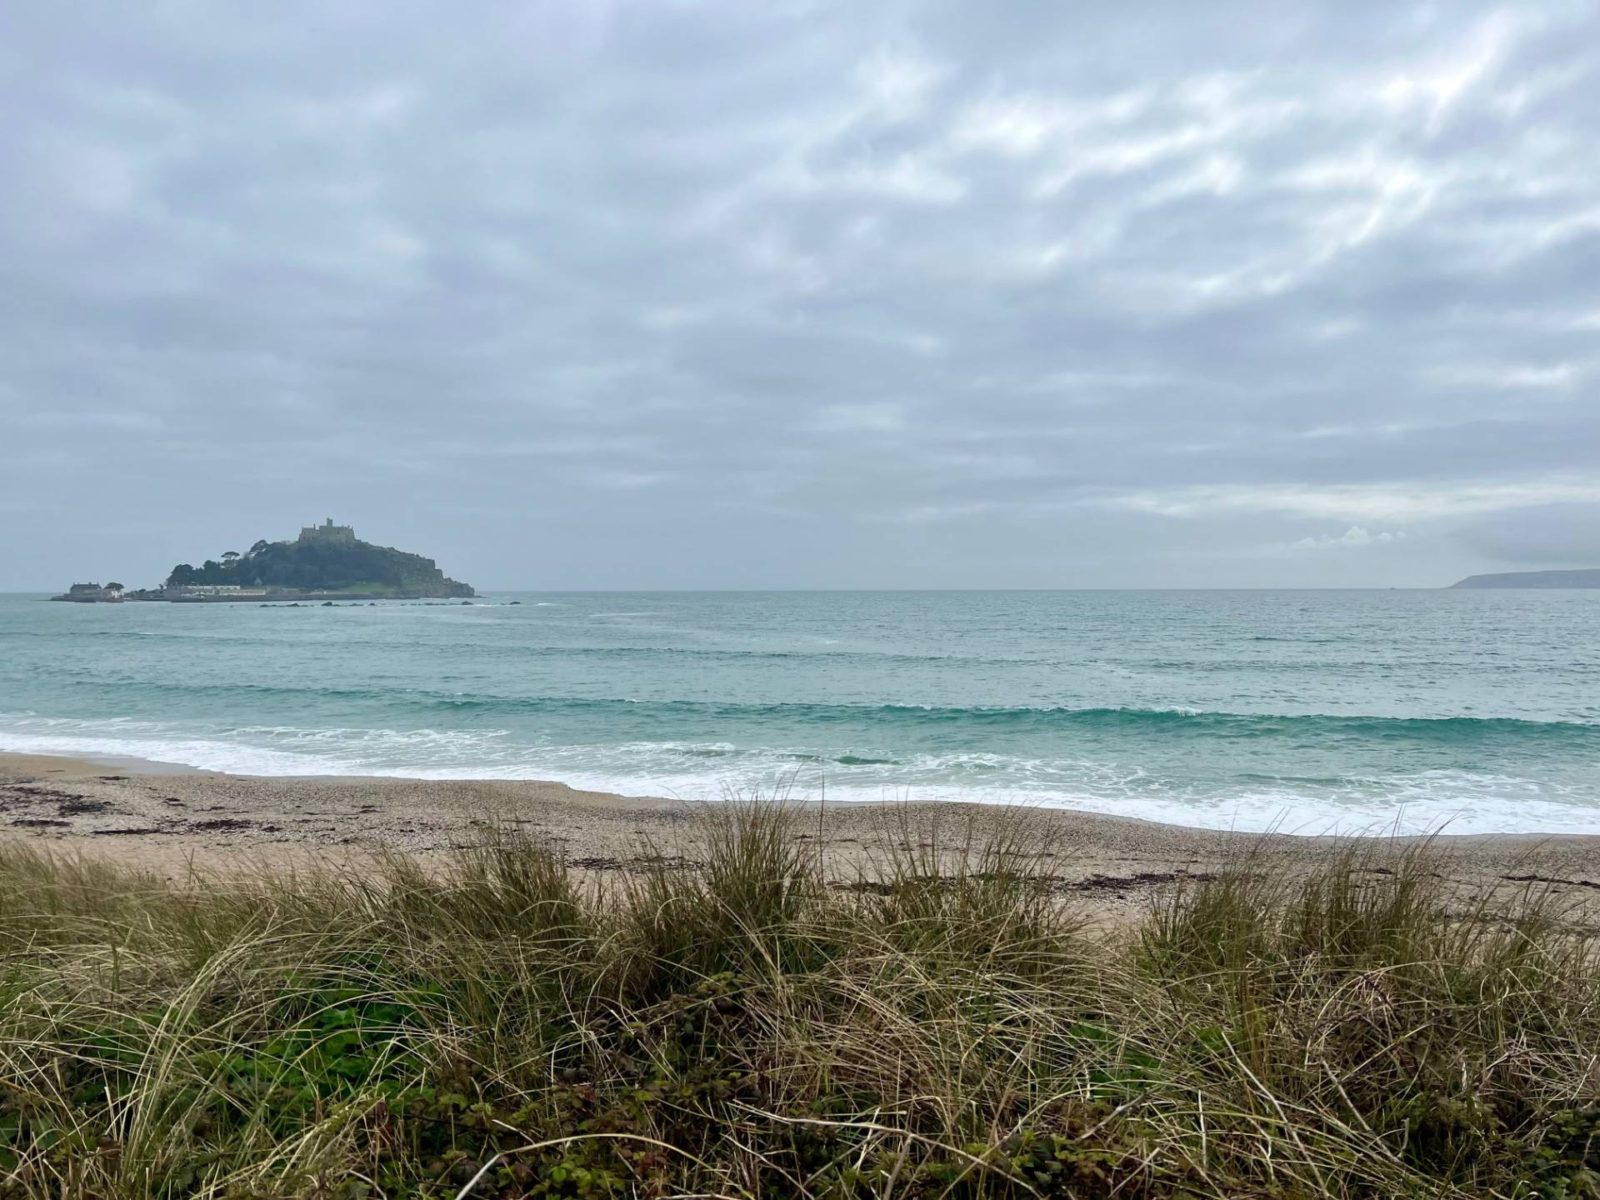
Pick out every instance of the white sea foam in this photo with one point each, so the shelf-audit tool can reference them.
(199, 753)
(1256, 811)
(1426, 801)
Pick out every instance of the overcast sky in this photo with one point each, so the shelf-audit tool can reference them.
(733, 294)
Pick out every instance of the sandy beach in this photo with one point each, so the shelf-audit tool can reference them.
(172, 821)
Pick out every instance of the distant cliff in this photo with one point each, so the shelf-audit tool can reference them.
(325, 558)
(1534, 579)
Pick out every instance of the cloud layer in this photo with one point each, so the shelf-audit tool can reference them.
(805, 294)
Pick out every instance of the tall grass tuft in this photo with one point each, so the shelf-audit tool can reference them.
(942, 1025)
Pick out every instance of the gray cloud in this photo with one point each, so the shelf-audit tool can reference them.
(804, 294)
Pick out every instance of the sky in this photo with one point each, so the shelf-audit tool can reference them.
(911, 293)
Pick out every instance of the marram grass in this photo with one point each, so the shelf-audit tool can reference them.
(496, 1028)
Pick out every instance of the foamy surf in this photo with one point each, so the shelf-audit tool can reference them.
(1452, 802)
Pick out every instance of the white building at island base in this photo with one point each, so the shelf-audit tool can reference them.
(206, 591)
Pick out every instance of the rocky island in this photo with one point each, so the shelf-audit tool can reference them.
(326, 562)
(92, 593)
(1534, 579)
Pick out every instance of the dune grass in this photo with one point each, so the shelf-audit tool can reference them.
(749, 1028)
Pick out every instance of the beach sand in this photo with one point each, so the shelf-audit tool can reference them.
(173, 821)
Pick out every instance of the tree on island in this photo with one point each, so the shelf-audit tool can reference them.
(323, 564)
(113, 587)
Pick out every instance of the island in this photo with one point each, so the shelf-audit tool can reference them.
(1534, 579)
(326, 562)
(92, 593)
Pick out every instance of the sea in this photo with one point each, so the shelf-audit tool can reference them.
(1303, 711)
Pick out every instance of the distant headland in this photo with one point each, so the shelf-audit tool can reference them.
(1534, 579)
(326, 562)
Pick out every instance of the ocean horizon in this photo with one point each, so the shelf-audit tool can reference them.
(1309, 711)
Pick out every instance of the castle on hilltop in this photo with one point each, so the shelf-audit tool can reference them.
(328, 532)
(327, 562)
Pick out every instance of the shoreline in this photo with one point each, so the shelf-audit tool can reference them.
(182, 822)
(1389, 829)
(101, 767)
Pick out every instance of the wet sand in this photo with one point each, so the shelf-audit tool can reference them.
(172, 820)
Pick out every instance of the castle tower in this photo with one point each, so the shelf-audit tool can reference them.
(328, 532)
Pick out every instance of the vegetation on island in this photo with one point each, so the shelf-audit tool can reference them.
(323, 564)
(495, 1026)
(92, 592)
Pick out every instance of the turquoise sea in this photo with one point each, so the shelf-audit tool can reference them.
(1475, 711)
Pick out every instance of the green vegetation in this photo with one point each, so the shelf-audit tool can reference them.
(322, 565)
(494, 1027)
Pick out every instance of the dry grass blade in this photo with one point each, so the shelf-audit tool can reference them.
(942, 1025)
